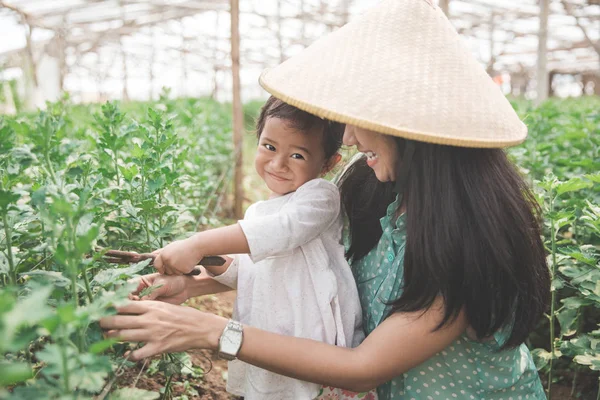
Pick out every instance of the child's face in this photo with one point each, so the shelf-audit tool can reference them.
(287, 158)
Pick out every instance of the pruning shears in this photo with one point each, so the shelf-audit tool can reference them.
(130, 257)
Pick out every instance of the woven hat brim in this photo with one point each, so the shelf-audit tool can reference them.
(400, 69)
(406, 133)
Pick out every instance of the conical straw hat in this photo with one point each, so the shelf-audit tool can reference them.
(400, 69)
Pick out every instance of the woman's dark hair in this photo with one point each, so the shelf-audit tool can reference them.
(473, 237)
(333, 132)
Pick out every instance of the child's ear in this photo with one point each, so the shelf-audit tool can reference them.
(330, 163)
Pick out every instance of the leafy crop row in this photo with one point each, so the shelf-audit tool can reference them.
(562, 159)
(75, 180)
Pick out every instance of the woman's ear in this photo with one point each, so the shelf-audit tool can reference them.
(330, 163)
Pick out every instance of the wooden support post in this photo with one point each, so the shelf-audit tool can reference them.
(152, 58)
(238, 113)
(345, 12)
(215, 92)
(184, 46)
(303, 27)
(124, 93)
(490, 68)
(278, 32)
(62, 57)
(542, 70)
(445, 6)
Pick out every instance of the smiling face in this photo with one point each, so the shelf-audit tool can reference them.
(287, 158)
(381, 151)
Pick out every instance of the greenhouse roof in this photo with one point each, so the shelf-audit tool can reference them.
(272, 30)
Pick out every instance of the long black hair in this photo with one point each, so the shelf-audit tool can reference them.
(473, 236)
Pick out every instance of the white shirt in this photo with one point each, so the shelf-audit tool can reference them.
(295, 282)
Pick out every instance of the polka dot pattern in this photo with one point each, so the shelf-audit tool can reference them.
(465, 369)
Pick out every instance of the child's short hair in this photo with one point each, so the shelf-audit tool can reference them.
(333, 132)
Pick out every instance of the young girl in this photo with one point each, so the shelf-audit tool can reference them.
(445, 236)
(294, 279)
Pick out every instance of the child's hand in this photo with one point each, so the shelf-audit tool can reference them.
(177, 258)
(170, 289)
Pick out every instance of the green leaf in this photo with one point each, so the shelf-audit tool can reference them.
(115, 274)
(26, 312)
(556, 284)
(6, 199)
(99, 347)
(84, 242)
(4, 265)
(156, 184)
(153, 115)
(575, 302)
(53, 277)
(593, 177)
(92, 372)
(593, 361)
(52, 356)
(137, 152)
(147, 291)
(62, 207)
(567, 318)
(12, 373)
(129, 173)
(541, 358)
(572, 185)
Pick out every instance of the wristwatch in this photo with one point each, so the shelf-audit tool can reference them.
(231, 340)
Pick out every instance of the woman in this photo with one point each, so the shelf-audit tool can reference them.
(444, 236)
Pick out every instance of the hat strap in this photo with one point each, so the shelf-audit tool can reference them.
(404, 166)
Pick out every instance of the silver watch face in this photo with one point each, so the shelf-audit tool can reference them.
(231, 342)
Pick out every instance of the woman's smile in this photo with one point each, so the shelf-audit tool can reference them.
(371, 158)
(380, 150)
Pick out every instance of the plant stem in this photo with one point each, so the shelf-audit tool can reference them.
(574, 383)
(74, 289)
(11, 263)
(552, 301)
(117, 168)
(160, 218)
(50, 169)
(143, 197)
(167, 393)
(65, 365)
(87, 287)
(147, 228)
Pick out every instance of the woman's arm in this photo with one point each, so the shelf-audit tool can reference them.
(400, 343)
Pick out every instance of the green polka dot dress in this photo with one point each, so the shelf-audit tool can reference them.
(465, 369)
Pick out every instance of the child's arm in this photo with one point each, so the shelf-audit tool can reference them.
(182, 256)
(314, 208)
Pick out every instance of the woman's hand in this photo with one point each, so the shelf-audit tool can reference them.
(170, 289)
(165, 328)
(178, 258)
